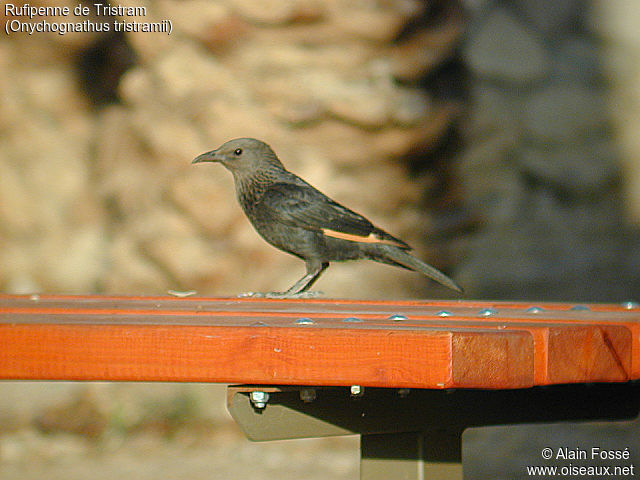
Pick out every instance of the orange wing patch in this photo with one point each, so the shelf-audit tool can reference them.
(371, 238)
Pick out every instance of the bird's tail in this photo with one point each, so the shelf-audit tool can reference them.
(394, 255)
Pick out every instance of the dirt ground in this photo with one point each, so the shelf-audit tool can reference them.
(31, 456)
(62, 430)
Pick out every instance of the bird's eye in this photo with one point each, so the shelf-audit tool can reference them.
(237, 152)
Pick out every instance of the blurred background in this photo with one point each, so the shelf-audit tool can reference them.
(499, 138)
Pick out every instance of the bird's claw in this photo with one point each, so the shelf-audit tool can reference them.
(307, 294)
(280, 294)
(250, 294)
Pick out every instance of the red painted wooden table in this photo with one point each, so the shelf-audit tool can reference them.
(430, 344)
(300, 352)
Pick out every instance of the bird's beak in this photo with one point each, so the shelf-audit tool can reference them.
(206, 157)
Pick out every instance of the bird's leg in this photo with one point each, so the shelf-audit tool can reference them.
(314, 270)
(299, 289)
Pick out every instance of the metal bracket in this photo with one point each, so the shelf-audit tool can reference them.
(405, 432)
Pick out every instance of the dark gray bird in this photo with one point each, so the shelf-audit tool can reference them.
(295, 217)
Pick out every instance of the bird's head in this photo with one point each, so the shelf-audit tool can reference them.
(242, 156)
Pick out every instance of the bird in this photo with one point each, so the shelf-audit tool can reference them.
(296, 218)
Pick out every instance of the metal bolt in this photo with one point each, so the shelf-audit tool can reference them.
(352, 320)
(259, 399)
(580, 308)
(304, 321)
(258, 324)
(404, 392)
(487, 312)
(357, 391)
(630, 304)
(534, 309)
(443, 313)
(397, 317)
(308, 395)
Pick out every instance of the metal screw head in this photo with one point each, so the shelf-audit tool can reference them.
(308, 395)
(259, 399)
(304, 321)
(404, 392)
(352, 320)
(630, 304)
(357, 391)
(534, 309)
(580, 308)
(397, 317)
(443, 313)
(487, 312)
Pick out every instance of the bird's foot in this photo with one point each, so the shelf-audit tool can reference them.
(281, 294)
(250, 295)
(307, 294)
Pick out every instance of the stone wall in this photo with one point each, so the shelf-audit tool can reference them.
(105, 200)
(541, 169)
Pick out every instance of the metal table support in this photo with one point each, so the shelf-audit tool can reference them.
(417, 434)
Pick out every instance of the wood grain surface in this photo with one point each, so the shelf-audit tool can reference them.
(422, 344)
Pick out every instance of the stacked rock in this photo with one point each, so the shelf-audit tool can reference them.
(541, 167)
(105, 200)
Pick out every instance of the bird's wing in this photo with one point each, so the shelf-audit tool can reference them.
(299, 204)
